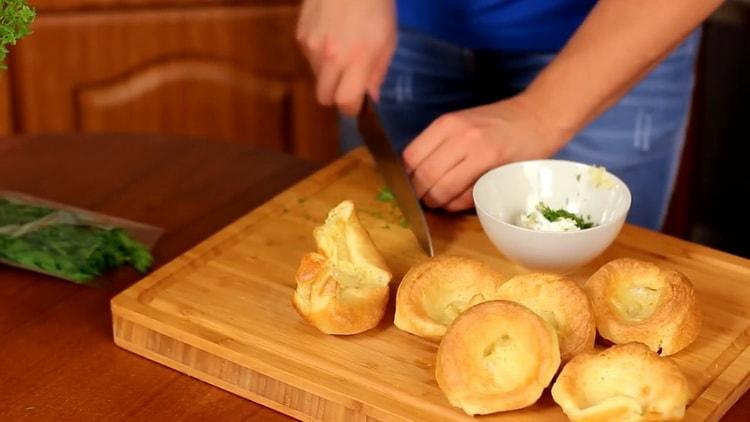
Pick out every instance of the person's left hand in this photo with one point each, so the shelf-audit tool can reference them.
(447, 158)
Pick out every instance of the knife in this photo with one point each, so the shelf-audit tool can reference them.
(392, 169)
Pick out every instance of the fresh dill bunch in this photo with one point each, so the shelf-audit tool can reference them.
(15, 23)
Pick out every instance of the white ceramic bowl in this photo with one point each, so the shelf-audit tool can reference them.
(502, 194)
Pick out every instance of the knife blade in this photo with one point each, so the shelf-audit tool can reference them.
(392, 169)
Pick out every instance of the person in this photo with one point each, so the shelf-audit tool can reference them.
(463, 86)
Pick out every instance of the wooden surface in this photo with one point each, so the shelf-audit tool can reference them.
(225, 71)
(221, 312)
(6, 106)
(58, 361)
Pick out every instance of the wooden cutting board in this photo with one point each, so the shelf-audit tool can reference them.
(222, 312)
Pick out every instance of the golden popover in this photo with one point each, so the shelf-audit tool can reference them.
(434, 292)
(561, 302)
(496, 356)
(342, 288)
(627, 382)
(635, 300)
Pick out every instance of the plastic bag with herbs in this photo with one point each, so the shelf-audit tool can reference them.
(67, 242)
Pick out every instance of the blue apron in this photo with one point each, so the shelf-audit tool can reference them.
(508, 25)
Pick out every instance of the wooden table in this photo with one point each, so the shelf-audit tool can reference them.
(57, 358)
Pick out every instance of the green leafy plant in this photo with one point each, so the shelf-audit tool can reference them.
(56, 242)
(15, 22)
(18, 213)
(74, 252)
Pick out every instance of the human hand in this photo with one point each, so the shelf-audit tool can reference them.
(349, 45)
(447, 158)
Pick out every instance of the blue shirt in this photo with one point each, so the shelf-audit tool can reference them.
(510, 25)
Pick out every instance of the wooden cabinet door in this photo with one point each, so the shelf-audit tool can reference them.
(203, 98)
(6, 111)
(230, 73)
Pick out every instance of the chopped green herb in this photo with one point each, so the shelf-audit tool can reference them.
(578, 177)
(403, 223)
(56, 242)
(12, 213)
(385, 195)
(76, 252)
(554, 215)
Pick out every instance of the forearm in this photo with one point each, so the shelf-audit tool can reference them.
(617, 44)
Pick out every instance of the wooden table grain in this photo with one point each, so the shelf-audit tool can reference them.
(57, 357)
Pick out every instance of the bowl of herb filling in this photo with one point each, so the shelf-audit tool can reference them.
(551, 215)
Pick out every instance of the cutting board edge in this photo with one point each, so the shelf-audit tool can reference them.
(717, 387)
(729, 396)
(205, 377)
(329, 395)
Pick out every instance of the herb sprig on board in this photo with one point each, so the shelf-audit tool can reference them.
(385, 194)
(15, 22)
(554, 215)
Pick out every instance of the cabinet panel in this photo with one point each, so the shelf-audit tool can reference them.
(6, 111)
(204, 99)
(227, 73)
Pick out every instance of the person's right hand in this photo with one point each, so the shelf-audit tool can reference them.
(349, 44)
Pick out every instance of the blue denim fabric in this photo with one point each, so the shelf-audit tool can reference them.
(639, 139)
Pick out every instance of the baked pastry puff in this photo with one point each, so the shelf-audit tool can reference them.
(561, 302)
(628, 382)
(342, 288)
(496, 356)
(635, 300)
(434, 292)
